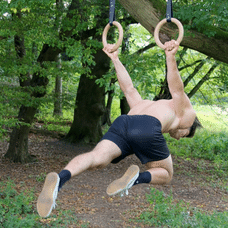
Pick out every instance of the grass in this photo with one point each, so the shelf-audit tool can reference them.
(165, 212)
(17, 210)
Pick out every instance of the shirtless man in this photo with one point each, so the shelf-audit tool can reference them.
(139, 132)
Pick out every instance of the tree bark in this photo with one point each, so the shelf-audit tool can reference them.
(149, 12)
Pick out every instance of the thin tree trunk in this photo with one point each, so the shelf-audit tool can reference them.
(164, 91)
(204, 79)
(58, 92)
(124, 107)
(107, 114)
(192, 75)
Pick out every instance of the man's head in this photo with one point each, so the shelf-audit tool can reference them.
(196, 124)
(188, 132)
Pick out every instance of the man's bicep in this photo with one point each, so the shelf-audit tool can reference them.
(133, 97)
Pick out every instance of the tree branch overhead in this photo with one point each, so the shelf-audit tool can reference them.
(149, 12)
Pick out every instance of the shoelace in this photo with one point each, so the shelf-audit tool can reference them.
(55, 197)
(124, 191)
(55, 205)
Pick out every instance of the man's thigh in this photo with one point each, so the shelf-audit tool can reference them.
(105, 151)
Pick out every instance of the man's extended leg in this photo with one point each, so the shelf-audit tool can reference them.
(158, 172)
(99, 157)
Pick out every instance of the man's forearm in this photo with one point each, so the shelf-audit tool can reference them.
(173, 77)
(123, 77)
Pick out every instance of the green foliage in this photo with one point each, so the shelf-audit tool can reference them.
(206, 16)
(41, 177)
(165, 212)
(17, 210)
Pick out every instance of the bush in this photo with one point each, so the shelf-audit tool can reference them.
(164, 212)
(16, 210)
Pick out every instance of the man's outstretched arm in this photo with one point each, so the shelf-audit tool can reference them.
(175, 82)
(176, 86)
(124, 79)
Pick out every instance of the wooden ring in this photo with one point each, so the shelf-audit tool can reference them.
(160, 24)
(105, 32)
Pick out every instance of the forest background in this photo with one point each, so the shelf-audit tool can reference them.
(51, 58)
(56, 80)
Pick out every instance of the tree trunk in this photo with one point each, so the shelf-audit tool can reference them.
(90, 104)
(124, 107)
(18, 147)
(149, 12)
(164, 91)
(58, 92)
(107, 115)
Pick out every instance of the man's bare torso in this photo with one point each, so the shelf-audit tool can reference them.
(163, 110)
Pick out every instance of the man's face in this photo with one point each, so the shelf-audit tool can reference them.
(179, 133)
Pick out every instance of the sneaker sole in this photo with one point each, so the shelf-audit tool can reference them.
(125, 182)
(46, 199)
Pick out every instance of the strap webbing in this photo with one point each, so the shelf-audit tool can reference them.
(111, 11)
(169, 10)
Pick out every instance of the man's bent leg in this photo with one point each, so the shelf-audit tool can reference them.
(161, 171)
(100, 156)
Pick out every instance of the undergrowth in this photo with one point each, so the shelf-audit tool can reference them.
(165, 212)
(17, 210)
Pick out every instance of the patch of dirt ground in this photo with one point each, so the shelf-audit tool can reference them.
(86, 194)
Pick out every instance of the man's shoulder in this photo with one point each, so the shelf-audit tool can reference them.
(188, 118)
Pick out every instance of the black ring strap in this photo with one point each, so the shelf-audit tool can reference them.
(169, 10)
(111, 11)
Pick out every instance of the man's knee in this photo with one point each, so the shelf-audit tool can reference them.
(161, 175)
(169, 177)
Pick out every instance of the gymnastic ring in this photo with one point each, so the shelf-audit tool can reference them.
(160, 24)
(105, 32)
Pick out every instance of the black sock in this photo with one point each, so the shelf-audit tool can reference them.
(144, 177)
(64, 176)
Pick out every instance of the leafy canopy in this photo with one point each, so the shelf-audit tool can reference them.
(207, 16)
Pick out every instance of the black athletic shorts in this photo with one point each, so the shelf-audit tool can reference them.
(140, 135)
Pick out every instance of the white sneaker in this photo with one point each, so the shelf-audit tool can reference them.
(125, 182)
(46, 199)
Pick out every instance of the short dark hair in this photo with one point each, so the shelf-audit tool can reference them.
(196, 124)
